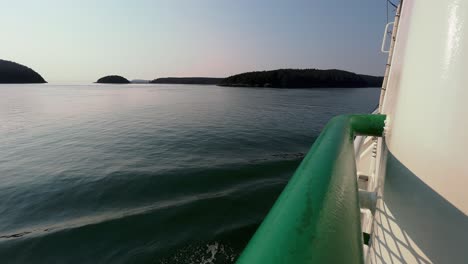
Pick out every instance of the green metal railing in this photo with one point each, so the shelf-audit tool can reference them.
(316, 218)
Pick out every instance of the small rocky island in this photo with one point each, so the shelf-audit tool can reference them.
(12, 72)
(114, 79)
(302, 78)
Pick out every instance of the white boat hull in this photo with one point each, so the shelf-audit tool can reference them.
(420, 172)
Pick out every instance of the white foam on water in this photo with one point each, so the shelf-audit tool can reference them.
(211, 253)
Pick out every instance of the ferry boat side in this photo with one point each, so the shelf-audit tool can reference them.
(421, 168)
(387, 187)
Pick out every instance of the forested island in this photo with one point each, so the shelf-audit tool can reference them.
(188, 80)
(12, 72)
(302, 78)
(113, 79)
(372, 81)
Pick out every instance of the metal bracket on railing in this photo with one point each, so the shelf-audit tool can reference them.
(384, 40)
(368, 200)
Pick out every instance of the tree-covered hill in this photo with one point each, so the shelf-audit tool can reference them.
(302, 78)
(12, 72)
(113, 79)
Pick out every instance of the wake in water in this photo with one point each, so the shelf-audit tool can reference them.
(246, 177)
(220, 206)
(212, 253)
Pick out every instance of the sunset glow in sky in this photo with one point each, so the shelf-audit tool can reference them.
(80, 41)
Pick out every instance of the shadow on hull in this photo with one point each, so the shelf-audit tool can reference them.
(417, 225)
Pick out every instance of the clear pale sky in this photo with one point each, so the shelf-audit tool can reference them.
(81, 41)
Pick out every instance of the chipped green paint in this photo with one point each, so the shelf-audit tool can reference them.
(316, 218)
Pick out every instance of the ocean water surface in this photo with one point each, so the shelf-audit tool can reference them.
(150, 173)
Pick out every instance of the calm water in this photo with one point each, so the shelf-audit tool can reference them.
(150, 174)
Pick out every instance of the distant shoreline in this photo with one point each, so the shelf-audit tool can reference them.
(11, 72)
(284, 79)
(188, 80)
(302, 79)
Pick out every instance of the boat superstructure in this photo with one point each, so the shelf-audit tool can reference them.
(420, 168)
(387, 187)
